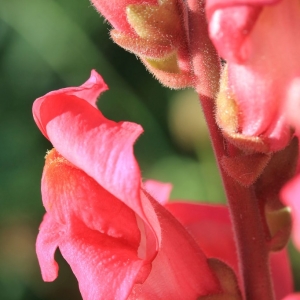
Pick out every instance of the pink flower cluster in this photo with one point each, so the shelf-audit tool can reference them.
(121, 236)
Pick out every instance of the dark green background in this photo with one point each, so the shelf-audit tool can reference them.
(46, 45)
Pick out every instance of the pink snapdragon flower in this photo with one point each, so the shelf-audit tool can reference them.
(119, 242)
(121, 238)
(258, 39)
(293, 297)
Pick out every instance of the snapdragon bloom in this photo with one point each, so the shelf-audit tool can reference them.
(118, 240)
(121, 238)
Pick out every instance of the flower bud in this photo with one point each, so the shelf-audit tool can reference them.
(154, 22)
(230, 119)
(155, 32)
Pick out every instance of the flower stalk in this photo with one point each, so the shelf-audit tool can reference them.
(245, 211)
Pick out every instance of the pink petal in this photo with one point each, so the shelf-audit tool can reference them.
(292, 104)
(292, 297)
(105, 267)
(290, 195)
(212, 5)
(89, 91)
(229, 27)
(158, 190)
(180, 270)
(230, 24)
(70, 123)
(210, 225)
(46, 244)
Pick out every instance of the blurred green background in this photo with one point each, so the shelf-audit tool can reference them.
(47, 45)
